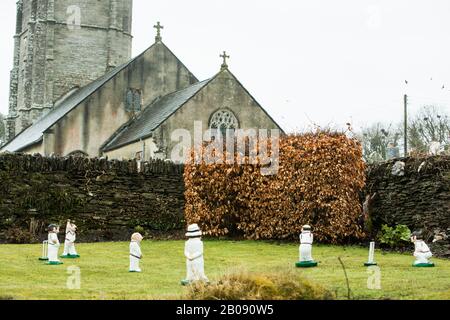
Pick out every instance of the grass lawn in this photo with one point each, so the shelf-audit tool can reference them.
(104, 271)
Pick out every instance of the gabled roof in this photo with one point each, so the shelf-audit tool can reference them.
(153, 116)
(159, 111)
(253, 98)
(34, 133)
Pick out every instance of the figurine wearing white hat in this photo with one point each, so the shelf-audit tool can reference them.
(53, 245)
(422, 251)
(135, 252)
(69, 244)
(306, 241)
(194, 256)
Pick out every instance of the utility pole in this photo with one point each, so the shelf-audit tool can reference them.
(406, 124)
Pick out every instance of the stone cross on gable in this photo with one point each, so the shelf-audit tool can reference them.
(158, 27)
(225, 57)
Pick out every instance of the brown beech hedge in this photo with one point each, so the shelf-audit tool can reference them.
(319, 180)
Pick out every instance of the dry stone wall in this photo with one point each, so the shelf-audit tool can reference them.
(420, 198)
(107, 199)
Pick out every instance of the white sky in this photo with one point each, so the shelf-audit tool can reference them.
(319, 61)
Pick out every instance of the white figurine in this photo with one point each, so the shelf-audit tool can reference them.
(69, 244)
(135, 252)
(306, 241)
(53, 245)
(193, 251)
(422, 251)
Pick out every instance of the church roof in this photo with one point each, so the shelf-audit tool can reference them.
(35, 132)
(153, 116)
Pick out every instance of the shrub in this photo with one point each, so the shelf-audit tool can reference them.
(17, 235)
(244, 286)
(394, 237)
(319, 179)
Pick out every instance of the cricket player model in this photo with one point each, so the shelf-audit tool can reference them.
(306, 242)
(422, 252)
(193, 252)
(53, 245)
(69, 244)
(135, 252)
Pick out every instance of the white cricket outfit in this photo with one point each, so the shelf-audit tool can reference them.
(306, 241)
(195, 264)
(69, 244)
(422, 252)
(53, 247)
(135, 256)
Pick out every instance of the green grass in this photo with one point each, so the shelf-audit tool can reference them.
(104, 271)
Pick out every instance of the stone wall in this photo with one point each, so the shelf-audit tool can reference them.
(419, 199)
(107, 199)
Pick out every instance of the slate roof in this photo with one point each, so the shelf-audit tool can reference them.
(153, 116)
(34, 133)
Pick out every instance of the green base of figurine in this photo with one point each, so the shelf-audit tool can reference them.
(134, 271)
(54, 263)
(370, 264)
(185, 282)
(70, 256)
(43, 259)
(424, 265)
(306, 264)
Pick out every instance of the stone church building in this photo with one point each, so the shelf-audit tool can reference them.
(75, 90)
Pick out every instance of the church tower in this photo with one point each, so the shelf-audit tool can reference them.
(61, 45)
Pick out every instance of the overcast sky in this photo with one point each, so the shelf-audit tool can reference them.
(322, 62)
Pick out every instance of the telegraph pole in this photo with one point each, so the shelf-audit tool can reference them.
(406, 124)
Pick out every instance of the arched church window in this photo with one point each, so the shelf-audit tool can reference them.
(23, 50)
(224, 120)
(129, 101)
(126, 24)
(137, 101)
(133, 100)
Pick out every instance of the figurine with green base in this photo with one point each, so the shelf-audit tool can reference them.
(306, 241)
(53, 245)
(422, 252)
(69, 244)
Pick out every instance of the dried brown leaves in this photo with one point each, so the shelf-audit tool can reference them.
(318, 183)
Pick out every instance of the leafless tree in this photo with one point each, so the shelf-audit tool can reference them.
(376, 140)
(430, 124)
